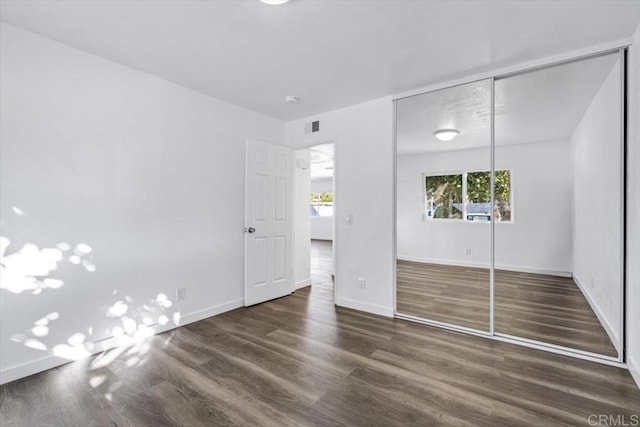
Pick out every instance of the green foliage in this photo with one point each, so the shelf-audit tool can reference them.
(321, 198)
(444, 191)
(502, 190)
(479, 186)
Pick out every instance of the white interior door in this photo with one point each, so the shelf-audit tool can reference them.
(268, 222)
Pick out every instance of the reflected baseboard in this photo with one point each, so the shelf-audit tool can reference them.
(613, 336)
(473, 264)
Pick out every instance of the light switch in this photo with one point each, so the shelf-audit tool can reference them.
(349, 218)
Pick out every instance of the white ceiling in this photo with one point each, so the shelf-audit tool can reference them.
(328, 53)
(545, 105)
(321, 159)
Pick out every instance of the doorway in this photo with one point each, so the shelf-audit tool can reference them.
(314, 220)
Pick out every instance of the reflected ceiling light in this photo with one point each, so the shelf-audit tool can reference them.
(274, 2)
(446, 134)
(291, 99)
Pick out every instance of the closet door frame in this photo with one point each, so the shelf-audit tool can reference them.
(619, 48)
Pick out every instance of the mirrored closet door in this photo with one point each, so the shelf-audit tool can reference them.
(509, 206)
(558, 192)
(444, 205)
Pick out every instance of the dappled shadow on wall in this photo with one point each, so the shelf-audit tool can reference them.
(32, 269)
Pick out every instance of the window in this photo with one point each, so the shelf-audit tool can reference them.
(321, 204)
(468, 196)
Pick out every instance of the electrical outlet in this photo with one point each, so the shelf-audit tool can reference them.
(181, 294)
(467, 251)
(362, 283)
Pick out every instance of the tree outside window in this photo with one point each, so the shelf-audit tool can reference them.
(321, 204)
(445, 195)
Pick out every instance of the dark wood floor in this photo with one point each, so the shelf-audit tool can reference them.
(322, 268)
(299, 360)
(545, 308)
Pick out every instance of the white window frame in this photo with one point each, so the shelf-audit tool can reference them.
(464, 175)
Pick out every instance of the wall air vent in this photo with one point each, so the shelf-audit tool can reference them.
(312, 127)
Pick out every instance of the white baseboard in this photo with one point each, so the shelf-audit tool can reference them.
(302, 284)
(48, 362)
(474, 264)
(211, 311)
(603, 320)
(634, 368)
(363, 306)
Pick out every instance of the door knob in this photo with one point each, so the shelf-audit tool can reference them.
(250, 230)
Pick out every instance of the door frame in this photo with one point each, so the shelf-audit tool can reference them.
(309, 144)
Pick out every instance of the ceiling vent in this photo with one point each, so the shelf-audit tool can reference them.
(312, 127)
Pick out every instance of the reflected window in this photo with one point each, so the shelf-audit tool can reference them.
(445, 196)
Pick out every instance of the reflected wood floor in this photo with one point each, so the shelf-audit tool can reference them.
(299, 360)
(540, 307)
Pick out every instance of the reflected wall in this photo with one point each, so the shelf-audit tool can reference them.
(566, 121)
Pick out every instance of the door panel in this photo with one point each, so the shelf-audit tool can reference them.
(260, 198)
(259, 256)
(280, 257)
(280, 199)
(268, 222)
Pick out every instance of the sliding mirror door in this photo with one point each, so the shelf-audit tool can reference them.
(558, 205)
(443, 202)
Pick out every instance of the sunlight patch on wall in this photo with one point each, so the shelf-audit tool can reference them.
(132, 323)
(28, 268)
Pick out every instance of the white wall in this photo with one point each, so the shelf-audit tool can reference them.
(538, 239)
(633, 211)
(363, 137)
(324, 185)
(322, 226)
(146, 172)
(596, 153)
(302, 189)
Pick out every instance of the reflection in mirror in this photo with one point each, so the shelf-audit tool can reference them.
(444, 205)
(558, 209)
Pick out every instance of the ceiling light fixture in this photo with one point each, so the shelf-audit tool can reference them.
(274, 2)
(446, 134)
(291, 99)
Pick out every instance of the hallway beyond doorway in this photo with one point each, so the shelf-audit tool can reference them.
(322, 268)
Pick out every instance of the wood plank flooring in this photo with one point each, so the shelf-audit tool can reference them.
(322, 266)
(299, 361)
(540, 307)
(456, 295)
